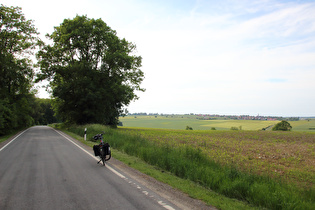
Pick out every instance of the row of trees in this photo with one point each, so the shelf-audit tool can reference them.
(93, 74)
(18, 37)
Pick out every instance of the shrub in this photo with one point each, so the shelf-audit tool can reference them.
(189, 128)
(282, 126)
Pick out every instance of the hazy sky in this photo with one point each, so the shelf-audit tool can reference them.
(207, 56)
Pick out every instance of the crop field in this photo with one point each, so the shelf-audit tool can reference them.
(180, 122)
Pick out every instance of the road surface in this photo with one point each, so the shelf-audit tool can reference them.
(42, 168)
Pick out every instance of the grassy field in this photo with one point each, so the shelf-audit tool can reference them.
(180, 122)
(269, 169)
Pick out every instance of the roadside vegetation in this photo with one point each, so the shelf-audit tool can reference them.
(273, 170)
(4, 138)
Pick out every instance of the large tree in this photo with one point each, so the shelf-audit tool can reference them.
(18, 38)
(93, 73)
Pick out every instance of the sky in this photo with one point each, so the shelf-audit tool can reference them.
(228, 57)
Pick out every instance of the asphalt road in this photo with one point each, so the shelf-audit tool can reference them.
(43, 169)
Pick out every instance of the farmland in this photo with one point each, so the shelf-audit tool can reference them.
(286, 155)
(181, 121)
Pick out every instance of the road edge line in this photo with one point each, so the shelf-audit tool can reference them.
(12, 140)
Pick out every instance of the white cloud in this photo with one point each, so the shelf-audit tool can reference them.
(226, 72)
(288, 21)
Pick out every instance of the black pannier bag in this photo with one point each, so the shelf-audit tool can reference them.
(106, 148)
(96, 149)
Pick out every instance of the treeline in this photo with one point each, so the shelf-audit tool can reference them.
(19, 108)
(24, 112)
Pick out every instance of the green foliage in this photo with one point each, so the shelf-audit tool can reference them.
(93, 73)
(18, 37)
(234, 128)
(43, 113)
(282, 126)
(17, 34)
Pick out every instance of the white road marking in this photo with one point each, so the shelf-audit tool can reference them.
(165, 205)
(12, 140)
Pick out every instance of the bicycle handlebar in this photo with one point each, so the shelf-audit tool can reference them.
(97, 136)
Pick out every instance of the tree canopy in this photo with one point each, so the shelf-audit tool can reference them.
(18, 38)
(93, 73)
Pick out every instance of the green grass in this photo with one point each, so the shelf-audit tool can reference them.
(4, 138)
(303, 125)
(189, 187)
(181, 153)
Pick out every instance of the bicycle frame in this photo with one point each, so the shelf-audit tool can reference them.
(104, 149)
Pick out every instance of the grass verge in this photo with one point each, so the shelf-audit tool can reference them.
(4, 138)
(7, 136)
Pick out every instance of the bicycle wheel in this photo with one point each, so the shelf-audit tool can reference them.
(102, 155)
(103, 160)
(108, 155)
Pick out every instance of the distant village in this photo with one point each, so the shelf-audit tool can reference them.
(221, 117)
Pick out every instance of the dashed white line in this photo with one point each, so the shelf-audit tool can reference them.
(165, 205)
